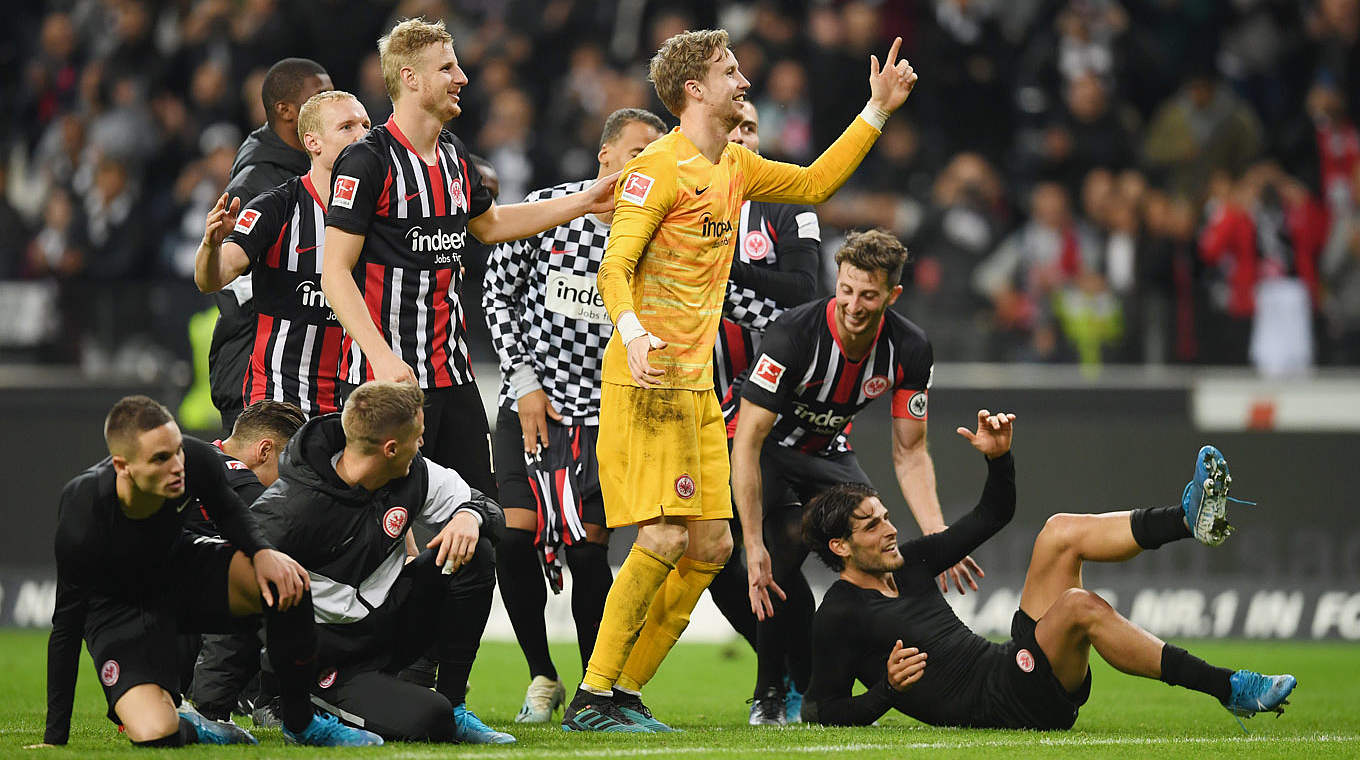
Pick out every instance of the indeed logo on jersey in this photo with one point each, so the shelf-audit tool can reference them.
(445, 245)
(575, 296)
(311, 296)
(826, 422)
(710, 227)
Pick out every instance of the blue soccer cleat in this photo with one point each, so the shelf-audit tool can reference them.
(469, 729)
(632, 708)
(326, 730)
(1205, 499)
(793, 702)
(1253, 693)
(597, 712)
(216, 731)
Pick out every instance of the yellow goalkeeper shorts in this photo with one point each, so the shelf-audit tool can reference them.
(662, 452)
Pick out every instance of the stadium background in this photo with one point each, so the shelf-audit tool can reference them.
(1065, 175)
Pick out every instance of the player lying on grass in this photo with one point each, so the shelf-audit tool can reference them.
(886, 597)
(130, 578)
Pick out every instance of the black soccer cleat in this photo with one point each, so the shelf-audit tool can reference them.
(597, 712)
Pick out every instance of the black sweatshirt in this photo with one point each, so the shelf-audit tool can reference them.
(855, 629)
(101, 551)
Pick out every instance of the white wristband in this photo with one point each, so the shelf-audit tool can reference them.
(876, 116)
(523, 381)
(630, 327)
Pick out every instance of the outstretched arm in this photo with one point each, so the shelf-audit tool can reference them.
(499, 224)
(915, 472)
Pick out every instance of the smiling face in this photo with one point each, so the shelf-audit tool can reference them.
(872, 545)
(155, 462)
(861, 298)
(722, 91)
(438, 80)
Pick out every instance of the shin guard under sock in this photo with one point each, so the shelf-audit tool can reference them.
(667, 619)
(590, 580)
(625, 612)
(291, 649)
(1156, 526)
(525, 594)
(1180, 668)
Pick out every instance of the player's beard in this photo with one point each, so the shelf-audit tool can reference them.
(732, 119)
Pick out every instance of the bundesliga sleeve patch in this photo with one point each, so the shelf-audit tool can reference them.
(767, 373)
(246, 221)
(345, 187)
(636, 187)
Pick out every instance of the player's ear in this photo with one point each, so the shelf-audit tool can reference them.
(389, 448)
(894, 293)
(264, 449)
(693, 87)
(120, 464)
(839, 547)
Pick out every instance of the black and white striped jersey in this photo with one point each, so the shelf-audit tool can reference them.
(414, 218)
(803, 375)
(547, 319)
(295, 355)
(775, 268)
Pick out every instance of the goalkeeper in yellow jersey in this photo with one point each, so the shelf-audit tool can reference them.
(662, 448)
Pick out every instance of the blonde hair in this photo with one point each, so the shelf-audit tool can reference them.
(309, 116)
(402, 46)
(379, 411)
(681, 58)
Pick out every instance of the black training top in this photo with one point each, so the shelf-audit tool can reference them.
(855, 629)
(101, 550)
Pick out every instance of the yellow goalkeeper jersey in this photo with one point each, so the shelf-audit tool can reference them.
(671, 241)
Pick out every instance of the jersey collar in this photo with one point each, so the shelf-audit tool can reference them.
(836, 335)
(311, 190)
(392, 127)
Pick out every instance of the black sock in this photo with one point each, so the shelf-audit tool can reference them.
(591, 579)
(525, 593)
(291, 649)
(729, 594)
(1180, 668)
(462, 620)
(183, 735)
(1158, 525)
(800, 608)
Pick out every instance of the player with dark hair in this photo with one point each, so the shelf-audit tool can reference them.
(131, 578)
(222, 666)
(278, 238)
(272, 154)
(886, 597)
(404, 200)
(349, 487)
(663, 445)
(542, 306)
(819, 365)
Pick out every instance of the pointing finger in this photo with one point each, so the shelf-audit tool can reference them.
(892, 51)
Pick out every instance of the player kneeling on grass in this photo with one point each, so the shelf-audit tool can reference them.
(349, 485)
(1039, 679)
(131, 578)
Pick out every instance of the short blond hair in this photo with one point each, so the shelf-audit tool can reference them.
(680, 59)
(379, 411)
(402, 46)
(309, 116)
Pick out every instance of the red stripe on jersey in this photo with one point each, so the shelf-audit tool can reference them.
(257, 375)
(439, 346)
(848, 382)
(311, 190)
(327, 370)
(384, 196)
(814, 443)
(437, 186)
(769, 230)
(272, 257)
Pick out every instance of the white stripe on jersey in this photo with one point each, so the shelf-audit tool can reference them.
(418, 174)
(400, 184)
(829, 377)
(319, 223)
(336, 602)
(448, 175)
(305, 370)
(276, 360)
(422, 373)
(743, 228)
(294, 237)
(394, 315)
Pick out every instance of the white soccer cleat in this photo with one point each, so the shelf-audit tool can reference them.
(541, 700)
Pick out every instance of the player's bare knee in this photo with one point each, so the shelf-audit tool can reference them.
(1060, 534)
(1084, 608)
(668, 540)
(716, 550)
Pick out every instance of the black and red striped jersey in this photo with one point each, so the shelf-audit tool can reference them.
(803, 375)
(295, 355)
(414, 217)
(775, 268)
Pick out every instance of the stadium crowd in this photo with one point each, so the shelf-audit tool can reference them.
(1153, 181)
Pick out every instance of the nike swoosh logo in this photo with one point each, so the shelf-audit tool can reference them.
(813, 385)
(300, 249)
(700, 191)
(412, 195)
(560, 251)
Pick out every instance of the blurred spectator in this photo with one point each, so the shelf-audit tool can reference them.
(1341, 277)
(786, 114)
(1201, 129)
(964, 63)
(1091, 132)
(114, 223)
(58, 250)
(509, 142)
(13, 232)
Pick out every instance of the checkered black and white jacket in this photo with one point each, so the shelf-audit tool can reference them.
(548, 322)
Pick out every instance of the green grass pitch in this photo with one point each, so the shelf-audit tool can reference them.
(702, 689)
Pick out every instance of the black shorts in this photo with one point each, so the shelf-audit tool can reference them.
(513, 480)
(789, 476)
(1023, 691)
(133, 643)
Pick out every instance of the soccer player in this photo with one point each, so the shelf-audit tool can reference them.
(348, 488)
(819, 365)
(1039, 679)
(662, 447)
(271, 154)
(130, 577)
(405, 199)
(774, 268)
(550, 331)
(222, 668)
(279, 238)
